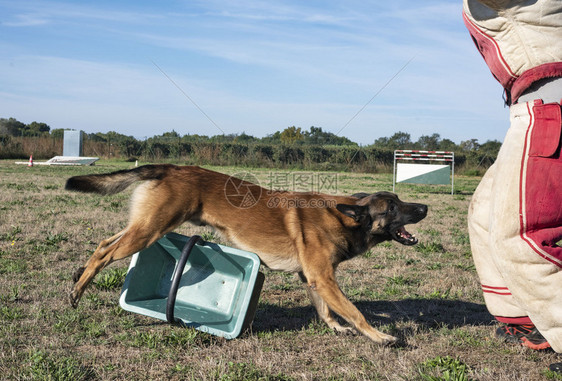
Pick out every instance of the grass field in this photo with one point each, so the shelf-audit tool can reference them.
(428, 295)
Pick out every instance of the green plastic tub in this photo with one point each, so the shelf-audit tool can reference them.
(217, 290)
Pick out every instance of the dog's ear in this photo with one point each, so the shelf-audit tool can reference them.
(360, 195)
(357, 212)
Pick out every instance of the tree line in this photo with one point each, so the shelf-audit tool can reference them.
(293, 147)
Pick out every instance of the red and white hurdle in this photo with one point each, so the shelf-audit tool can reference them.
(426, 172)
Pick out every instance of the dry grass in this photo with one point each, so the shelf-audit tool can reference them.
(428, 296)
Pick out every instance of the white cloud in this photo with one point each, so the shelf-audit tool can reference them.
(25, 20)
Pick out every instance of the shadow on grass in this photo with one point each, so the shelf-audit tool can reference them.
(429, 313)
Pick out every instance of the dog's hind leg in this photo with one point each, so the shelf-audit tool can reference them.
(323, 310)
(155, 211)
(127, 242)
(78, 273)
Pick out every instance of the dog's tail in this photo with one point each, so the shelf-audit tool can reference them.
(115, 182)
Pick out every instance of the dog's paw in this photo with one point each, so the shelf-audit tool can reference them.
(347, 331)
(73, 299)
(77, 274)
(388, 340)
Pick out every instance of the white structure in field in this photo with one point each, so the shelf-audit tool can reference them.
(72, 144)
(421, 167)
(72, 150)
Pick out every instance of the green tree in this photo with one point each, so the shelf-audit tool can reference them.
(447, 145)
(11, 127)
(96, 137)
(291, 135)
(223, 138)
(319, 137)
(36, 129)
(129, 146)
(491, 148)
(469, 145)
(400, 140)
(382, 142)
(195, 138)
(57, 133)
(171, 134)
(429, 142)
(245, 138)
(274, 138)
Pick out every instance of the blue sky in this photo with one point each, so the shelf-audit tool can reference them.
(251, 66)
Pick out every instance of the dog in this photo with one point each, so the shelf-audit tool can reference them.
(300, 232)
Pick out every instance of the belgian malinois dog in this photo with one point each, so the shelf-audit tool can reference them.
(306, 233)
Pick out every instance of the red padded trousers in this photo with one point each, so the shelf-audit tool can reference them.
(515, 223)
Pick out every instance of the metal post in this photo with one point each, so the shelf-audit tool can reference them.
(394, 172)
(452, 173)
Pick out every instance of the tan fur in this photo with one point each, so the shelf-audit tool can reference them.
(309, 240)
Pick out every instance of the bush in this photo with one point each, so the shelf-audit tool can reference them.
(9, 148)
(349, 156)
(233, 153)
(288, 155)
(316, 154)
(43, 147)
(265, 152)
(370, 159)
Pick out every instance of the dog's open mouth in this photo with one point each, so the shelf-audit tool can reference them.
(402, 236)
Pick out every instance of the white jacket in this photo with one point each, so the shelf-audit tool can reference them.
(521, 41)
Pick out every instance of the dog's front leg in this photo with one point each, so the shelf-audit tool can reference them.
(321, 280)
(323, 310)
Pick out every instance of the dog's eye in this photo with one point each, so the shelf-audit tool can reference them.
(391, 207)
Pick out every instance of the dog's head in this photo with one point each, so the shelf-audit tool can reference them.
(383, 215)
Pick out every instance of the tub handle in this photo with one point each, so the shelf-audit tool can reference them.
(176, 278)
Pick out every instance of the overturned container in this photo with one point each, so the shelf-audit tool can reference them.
(180, 279)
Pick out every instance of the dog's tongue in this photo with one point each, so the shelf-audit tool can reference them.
(403, 233)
